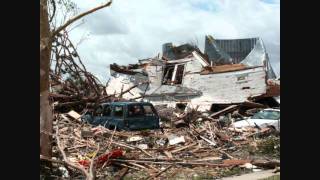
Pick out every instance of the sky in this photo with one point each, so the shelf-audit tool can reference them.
(129, 30)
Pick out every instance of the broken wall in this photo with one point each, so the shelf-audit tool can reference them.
(227, 88)
(155, 73)
(120, 82)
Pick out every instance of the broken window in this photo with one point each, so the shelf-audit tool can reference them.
(179, 74)
(118, 111)
(168, 72)
(173, 74)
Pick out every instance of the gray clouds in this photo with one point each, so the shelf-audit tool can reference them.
(132, 30)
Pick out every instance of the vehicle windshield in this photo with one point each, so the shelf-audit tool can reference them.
(275, 115)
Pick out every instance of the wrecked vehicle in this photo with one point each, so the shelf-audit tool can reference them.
(263, 118)
(124, 116)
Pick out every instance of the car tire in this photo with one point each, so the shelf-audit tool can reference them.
(111, 127)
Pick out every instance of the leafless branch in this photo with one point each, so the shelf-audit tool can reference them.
(70, 21)
(53, 2)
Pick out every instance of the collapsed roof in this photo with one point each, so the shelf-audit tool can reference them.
(230, 71)
(249, 51)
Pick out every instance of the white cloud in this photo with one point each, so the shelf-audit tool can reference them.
(132, 30)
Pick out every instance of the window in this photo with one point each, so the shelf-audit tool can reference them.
(118, 111)
(148, 110)
(135, 111)
(173, 74)
(275, 115)
(168, 72)
(179, 75)
(107, 110)
(98, 111)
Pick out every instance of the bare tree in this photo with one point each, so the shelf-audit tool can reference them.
(46, 39)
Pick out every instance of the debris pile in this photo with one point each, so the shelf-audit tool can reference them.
(203, 143)
(214, 125)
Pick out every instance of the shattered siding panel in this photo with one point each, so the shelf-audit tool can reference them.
(257, 56)
(249, 51)
(193, 67)
(226, 88)
(175, 91)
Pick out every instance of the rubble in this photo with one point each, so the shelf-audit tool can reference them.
(74, 115)
(134, 138)
(200, 100)
(200, 144)
(184, 77)
(175, 140)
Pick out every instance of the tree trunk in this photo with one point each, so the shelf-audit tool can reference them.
(45, 54)
(45, 109)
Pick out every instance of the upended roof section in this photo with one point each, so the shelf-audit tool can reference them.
(249, 51)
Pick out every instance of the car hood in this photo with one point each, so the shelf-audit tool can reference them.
(260, 122)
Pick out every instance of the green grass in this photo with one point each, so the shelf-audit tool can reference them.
(275, 177)
(270, 146)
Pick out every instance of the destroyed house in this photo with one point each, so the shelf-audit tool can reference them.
(228, 72)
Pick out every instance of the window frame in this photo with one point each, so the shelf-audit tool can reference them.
(98, 114)
(141, 108)
(152, 110)
(114, 111)
(104, 110)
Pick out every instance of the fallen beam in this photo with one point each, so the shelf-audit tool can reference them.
(223, 111)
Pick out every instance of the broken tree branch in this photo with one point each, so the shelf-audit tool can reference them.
(70, 21)
(223, 111)
(92, 174)
(171, 163)
(81, 169)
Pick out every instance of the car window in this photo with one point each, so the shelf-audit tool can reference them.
(267, 115)
(118, 111)
(107, 110)
(148, 110)
(98, 111)
(135, 111)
